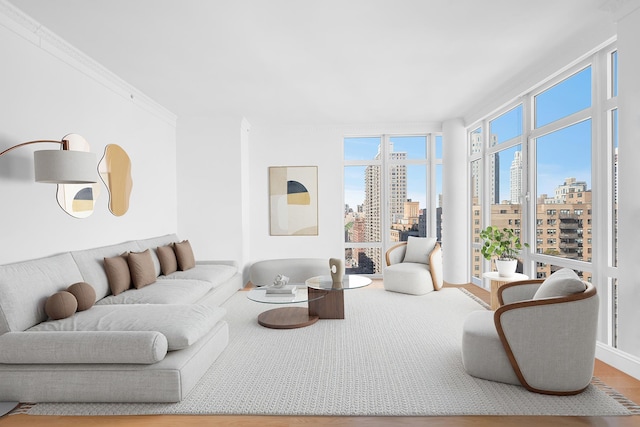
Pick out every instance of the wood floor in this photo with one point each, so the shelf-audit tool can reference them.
(623, 383)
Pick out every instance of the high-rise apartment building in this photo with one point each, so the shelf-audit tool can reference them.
(516, 177)
(396, 194)
(563, 225)
(494, 170)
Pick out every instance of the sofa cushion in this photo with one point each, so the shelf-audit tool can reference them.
(184, 255)
(215, 274)
(91, 264)
(153, 243)
(562, 283)
(418, 249)
(142, 270)
(25, 286)
(162, 292)
(60, 305)
(182, 324)
(167, 258)
(84, 293)
(118, 274)
(144, 347)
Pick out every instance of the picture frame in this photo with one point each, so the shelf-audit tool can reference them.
(293, 200)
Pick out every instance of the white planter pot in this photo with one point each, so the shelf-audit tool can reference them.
(506, 267)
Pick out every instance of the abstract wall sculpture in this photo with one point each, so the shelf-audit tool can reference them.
(293, 200)
(115, 171)
(78, 200)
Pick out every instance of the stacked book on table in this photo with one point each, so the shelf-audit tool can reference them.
(281, 291)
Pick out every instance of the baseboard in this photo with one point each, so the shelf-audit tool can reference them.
(620, 360)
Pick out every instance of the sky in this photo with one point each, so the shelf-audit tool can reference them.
(562, 154)
(367, 148)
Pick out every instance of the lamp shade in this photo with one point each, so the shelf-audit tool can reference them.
(65, 167)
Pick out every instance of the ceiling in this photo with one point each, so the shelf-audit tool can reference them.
(322, 61)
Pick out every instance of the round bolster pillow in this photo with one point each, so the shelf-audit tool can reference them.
(140, 347)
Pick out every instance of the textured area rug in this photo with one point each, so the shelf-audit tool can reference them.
(393, 354)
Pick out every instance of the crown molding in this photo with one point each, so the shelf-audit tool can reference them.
(28, 28)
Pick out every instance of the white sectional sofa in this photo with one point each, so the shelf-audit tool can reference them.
(151, 344)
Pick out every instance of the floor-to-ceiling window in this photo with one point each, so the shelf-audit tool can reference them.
(562, 143)
(392, 190)
(546, 166)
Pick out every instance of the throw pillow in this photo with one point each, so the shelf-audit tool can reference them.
(118, 274)
(562, 283)
(143, 272)
(184, 255)
(167, 258)
(84, 293)
(60, 305)
(418, 249)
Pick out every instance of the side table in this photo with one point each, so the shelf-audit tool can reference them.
(497, 281)
(326, 299)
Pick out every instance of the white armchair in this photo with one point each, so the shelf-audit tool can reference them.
(414, 267)
(543, 342)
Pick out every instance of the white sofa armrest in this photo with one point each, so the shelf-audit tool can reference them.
(139, 347)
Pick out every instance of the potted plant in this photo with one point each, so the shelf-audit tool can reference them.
(504, 245)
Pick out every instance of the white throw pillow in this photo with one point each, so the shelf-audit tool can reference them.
(562, 283)
(418, 249)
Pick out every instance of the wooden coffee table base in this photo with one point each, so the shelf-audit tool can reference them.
(287, 318)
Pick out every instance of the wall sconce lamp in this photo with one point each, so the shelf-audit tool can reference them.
(62, 166)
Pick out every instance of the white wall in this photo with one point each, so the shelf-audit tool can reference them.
(49, 90)
(455, 211)
(629, 176)
(210, 201)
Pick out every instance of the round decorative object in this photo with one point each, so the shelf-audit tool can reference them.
(280, 281)
(60, 305)
(84, 293)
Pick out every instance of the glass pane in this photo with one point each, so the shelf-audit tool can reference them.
(475, 141)
(363, 260)
(362, 203)
(506, 126)
(476, 217)
(614, 74)
(439, 203)
(414, 147)
(361, 148)
(567, 97)
(506, 187)
(563, 182)
(407, 201)
(438, 146)
(614, 137)
(476, 263)
(544, 270)
(614, 306)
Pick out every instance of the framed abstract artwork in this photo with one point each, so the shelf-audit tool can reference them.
(293, 200)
